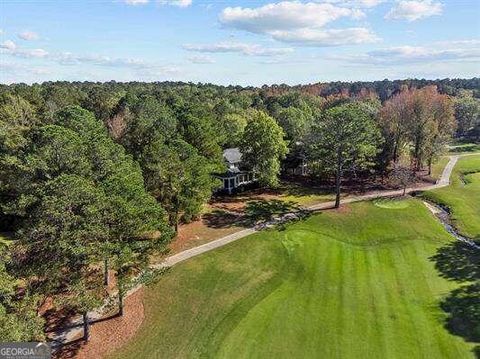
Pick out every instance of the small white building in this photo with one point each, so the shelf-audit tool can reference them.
(234, 178)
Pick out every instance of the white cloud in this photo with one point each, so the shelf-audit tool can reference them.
(355, 3)
(332, 37)
(412, 10)
(201, 59)
(67, 58)
(28, 35)
(303, 24)
(451, 51)
(8, 45)
(38, 53)
(285, 15)
(136, 2)
(370, 3)
(2, 32)
(238, 47)
(179, 3)
(11, 48)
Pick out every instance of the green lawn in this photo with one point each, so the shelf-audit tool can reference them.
(463, 196)
(465, 147)
(438, 166)
(358, 283)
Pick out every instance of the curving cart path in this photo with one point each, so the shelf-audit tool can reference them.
(75, 330)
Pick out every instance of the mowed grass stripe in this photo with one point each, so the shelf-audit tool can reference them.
(338, 285)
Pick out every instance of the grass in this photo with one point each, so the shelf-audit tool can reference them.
(306, 196)
(465, 147)
(5, 239)
(438, 166)
(354, 283)
(462, 197)
(391, 203)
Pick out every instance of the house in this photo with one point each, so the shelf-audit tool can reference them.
(234, 178)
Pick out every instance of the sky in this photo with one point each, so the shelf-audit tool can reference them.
(244, 42)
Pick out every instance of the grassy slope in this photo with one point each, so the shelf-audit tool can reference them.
(463, 196)
(356, 284)
(438, 166)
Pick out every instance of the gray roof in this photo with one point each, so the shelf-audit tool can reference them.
(232, 155)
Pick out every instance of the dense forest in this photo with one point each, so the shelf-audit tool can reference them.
(97, 176)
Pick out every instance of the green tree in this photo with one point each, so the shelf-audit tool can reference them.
(467, 114)
(58, 244)
(178, 177)
(346, 139)
(263, 147)
(19, 320)
(294, 123)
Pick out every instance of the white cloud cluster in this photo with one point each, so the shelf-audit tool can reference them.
(455, 51)
(28, 35)
(8, 45)
(11, 48)
(333, 37)
(179, 3)
(285, 15)
(67, 58)
(301, 23)
(238, 47)
(355, 3)
(412, 10)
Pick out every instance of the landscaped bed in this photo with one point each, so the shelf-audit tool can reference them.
(355, 283)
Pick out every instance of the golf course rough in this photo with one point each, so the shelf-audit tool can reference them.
(355, 283)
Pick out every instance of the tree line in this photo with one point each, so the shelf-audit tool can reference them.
(95, 178)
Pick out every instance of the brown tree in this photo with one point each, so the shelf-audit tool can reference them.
(420, 118)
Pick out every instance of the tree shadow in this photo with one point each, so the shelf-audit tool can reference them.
(221, 219)
(266, 210)
(460, 263)
(463, 308)
(69, 350)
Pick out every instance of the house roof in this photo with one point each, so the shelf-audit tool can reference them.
(232, 155)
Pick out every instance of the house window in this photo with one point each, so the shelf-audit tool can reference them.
(232, 183)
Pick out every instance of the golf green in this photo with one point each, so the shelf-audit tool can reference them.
(355, 283)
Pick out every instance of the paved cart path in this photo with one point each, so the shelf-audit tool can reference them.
(75, 331)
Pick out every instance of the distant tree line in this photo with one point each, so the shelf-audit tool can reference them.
(96, 177)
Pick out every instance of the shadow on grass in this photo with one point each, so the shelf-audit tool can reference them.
(266, 210)
(219, 218)
(460, 262)
(257, 213)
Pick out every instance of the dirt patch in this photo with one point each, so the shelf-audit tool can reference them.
(110, 334)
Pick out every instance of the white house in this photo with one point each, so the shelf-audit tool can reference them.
(234, 178)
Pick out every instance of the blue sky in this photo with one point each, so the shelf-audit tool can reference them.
(244, 42)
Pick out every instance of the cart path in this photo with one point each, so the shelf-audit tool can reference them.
(75, 330)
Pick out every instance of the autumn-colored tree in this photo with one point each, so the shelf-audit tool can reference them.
(420, 118)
